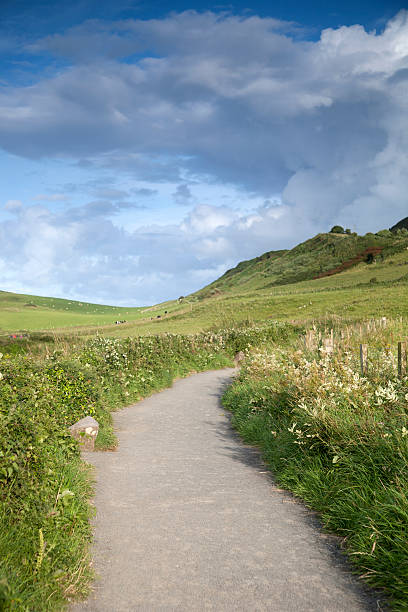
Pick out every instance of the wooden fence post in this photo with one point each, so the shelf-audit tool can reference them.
(402, 359)
(310, 340)
(364, 358)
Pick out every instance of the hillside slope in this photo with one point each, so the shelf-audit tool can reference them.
(27, 312)
(331, 274)
(323, 255)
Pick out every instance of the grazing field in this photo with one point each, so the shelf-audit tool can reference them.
(278, 286)
(21, 313)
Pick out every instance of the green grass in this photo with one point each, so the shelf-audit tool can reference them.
(44, 487)
(73, 360)
(20, 313)
(45, 558)
(276, 285)
(338, 441)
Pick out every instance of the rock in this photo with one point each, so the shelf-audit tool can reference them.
(238, 358)
(85, 431)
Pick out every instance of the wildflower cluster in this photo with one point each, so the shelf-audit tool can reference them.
(339, 440)
(330, 401)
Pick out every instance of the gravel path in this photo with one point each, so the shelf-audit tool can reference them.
(189, 519)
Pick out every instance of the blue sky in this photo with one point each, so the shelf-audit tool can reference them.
(146, 147)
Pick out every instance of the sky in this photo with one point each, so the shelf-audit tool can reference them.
(147, 147)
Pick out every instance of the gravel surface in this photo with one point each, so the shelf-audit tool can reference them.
(188, 518)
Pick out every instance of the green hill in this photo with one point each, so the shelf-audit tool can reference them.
(339, 274)
(323, 255)
(20, 312)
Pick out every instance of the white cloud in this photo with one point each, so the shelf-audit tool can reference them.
(89, 257)
(52, 197)
(13, 206)
(322, 126)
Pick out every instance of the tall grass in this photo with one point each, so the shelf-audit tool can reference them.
(339, 441)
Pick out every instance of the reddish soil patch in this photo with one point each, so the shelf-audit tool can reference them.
(349, 263)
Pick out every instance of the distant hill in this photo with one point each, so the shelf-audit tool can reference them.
(19, 312)
(403, 224)
(324, 255)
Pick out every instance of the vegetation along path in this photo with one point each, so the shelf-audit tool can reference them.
(188, 518)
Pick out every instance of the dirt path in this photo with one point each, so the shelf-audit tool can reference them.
(188, 519)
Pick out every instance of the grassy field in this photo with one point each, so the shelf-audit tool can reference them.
(22, 313)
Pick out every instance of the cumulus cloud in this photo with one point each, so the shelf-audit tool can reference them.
(83, 254)
(232, 97)
(320, 125)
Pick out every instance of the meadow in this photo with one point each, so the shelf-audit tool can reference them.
(255, 290)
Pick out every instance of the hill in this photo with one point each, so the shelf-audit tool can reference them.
(323, 255)
(20, 312)
(403, 224)
(340, 274)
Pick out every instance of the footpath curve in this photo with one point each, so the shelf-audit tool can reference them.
(189, 519)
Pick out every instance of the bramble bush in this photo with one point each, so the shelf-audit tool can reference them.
(338, 440)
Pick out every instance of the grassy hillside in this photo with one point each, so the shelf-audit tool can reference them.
(331, 274)
(20, 313)
(369, 286)
(325, 254)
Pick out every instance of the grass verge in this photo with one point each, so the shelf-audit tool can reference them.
(339, 441)
(44, 486)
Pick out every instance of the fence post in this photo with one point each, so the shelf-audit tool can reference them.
(363, 358)
(402, 359)
(310, 340)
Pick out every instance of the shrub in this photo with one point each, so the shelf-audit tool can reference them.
(44, 488)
